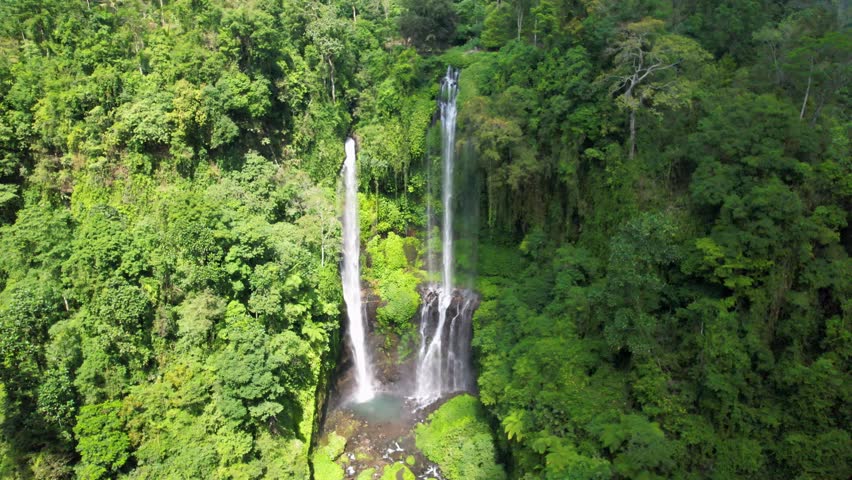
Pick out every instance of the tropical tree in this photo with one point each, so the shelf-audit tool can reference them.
(648, 70)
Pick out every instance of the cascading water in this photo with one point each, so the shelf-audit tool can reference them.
(351, 274)
(444, 348)
(449, 92)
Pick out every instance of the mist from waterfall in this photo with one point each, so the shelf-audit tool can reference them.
(351, 275)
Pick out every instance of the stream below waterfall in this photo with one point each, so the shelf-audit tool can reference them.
(380, 433)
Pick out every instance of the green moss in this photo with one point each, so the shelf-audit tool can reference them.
(394, 215)
(387, 254)
(397, 471)
(324, 458)
(477, 67)
(463, 56)
(410, 460)
(458, 439)
(395, 281)
(327, 469)
(407, 344)
(399, 291)
(366, 474)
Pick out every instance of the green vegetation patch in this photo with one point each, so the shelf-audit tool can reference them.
(458, 438)
(366, 474)
(325, 457)
(394, 281)
(397, 471)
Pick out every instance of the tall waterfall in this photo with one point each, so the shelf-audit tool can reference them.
(449, 92)
(444, 345)
(351, 273)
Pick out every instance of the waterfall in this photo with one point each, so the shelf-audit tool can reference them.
(351, 274)
(444, 357)
(449, 92)
(444, 350)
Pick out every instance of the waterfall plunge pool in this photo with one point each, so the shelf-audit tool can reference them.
(382, 408)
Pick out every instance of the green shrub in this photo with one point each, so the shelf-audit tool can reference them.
(392, 472)
(325, 466)
(394, 281)
(458, 439)
(101, 441)
(399, 291)
(366, 474)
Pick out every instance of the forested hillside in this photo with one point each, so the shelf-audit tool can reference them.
(664, 191)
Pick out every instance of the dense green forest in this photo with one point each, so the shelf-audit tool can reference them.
(664, 239)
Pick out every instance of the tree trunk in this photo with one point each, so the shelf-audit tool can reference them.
(632, 143)
(807, 91)
(136, 50)
(535, 32)
(376, 220)
(331, 75)
(520, 22)
(776, 64)
(818, 110)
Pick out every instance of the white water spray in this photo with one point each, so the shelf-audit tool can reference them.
(351, 273)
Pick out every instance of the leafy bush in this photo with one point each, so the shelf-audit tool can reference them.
(394, 281)
(325, 466)
(397, 471)
(102, 443)
(458, 438)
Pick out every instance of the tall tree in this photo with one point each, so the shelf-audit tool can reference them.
(428, 24)
(647, 66)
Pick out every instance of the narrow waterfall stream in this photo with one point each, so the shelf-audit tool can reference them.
(351, 274)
